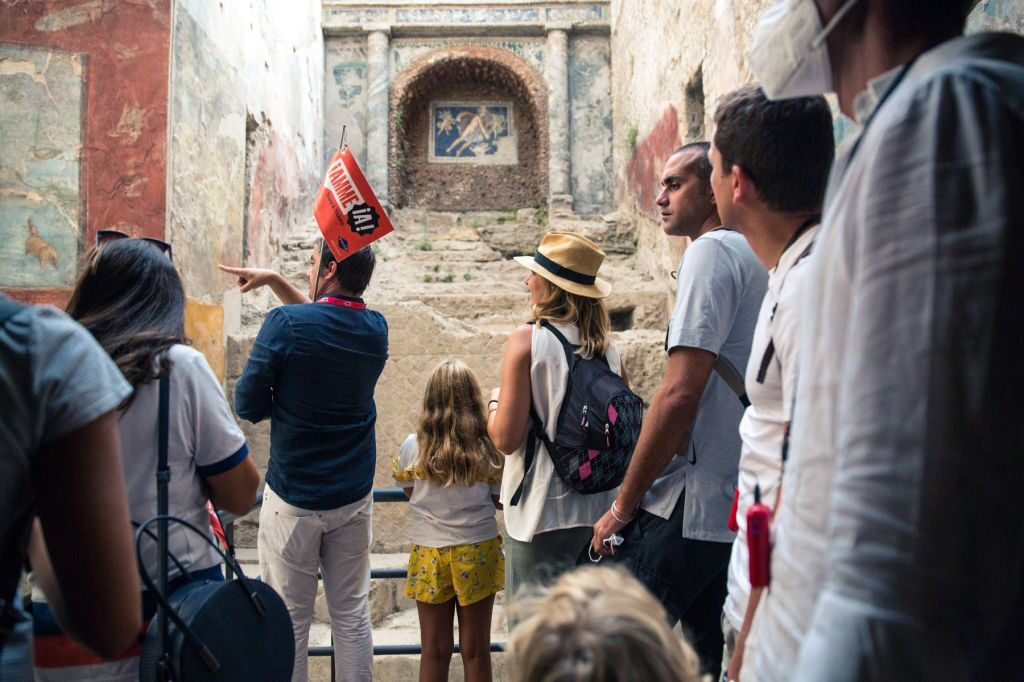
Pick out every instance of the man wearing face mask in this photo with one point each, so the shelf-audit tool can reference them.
(901, 543)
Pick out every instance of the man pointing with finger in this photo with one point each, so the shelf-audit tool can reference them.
(312, 371)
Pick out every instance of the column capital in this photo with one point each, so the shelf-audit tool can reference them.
(377, 28)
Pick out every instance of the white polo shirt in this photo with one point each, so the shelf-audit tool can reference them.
(763, 425)
(203, 440)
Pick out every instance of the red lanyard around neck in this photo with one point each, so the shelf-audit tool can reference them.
(342, 302)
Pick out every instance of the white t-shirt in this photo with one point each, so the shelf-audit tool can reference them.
(762, 428)
(443, 516)
(203, 440)
(548, 503)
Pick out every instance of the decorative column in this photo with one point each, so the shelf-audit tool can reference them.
(557, 70)
(378, 40)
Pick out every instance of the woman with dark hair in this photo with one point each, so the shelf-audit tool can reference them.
(130, 297)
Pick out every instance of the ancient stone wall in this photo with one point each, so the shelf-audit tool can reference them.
(372, 45)
(246, 148)
(468, 75)
(671, 64)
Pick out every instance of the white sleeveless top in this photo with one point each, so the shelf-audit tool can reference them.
(548, 503)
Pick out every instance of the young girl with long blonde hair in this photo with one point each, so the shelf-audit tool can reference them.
(451, 472)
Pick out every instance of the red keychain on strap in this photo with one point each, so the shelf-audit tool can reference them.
(759, 541)
(733, 525)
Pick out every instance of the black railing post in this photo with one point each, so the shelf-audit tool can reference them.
(379, 495)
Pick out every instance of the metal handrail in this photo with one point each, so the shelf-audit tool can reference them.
(379, 495)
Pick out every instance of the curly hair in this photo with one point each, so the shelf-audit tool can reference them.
(454, 448)
(598, 624)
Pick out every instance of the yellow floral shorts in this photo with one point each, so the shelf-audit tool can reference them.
(470, 572)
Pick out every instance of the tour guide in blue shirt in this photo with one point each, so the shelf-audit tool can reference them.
(312, 370)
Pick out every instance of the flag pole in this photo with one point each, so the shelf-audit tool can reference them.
(323, 239)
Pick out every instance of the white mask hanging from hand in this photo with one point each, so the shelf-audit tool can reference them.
(788, 55)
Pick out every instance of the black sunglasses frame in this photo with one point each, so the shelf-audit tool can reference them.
(104, 236)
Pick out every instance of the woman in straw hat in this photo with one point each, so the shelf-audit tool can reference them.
(551, 522)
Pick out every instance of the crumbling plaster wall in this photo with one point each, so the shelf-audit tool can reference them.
(590, 77)
(469, 74)
(590, 124)
(672, 63)
(246, 103)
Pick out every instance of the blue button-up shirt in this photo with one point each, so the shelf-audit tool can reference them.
(312, 370)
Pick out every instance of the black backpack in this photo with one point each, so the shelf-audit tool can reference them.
(598, 426)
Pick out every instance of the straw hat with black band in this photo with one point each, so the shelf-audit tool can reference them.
(569, 261)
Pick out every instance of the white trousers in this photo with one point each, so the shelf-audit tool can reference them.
(293, 544)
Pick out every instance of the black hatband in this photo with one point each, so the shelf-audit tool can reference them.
(562, 271)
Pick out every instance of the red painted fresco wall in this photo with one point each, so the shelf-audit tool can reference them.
(124, 156)
(643, 171)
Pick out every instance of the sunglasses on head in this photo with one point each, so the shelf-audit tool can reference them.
(104, 236)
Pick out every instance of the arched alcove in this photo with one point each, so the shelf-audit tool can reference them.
(468, 131)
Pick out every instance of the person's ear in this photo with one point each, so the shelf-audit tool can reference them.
(743, 190)
(329, 271)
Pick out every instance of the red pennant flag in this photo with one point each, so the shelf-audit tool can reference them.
(346, 209)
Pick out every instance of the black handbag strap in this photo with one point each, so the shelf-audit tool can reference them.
(163, 478)
(164, 610)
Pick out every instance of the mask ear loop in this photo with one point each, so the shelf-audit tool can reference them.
(820, 39)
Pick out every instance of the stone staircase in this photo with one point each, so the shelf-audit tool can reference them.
(394, 620)
(448, 288)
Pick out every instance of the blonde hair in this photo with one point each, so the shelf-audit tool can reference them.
(598, 624)
(454, 448)
(588, 314)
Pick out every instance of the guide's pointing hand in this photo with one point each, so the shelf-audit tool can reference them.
(249, 278)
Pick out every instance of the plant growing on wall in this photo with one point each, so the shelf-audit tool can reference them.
(629, 140)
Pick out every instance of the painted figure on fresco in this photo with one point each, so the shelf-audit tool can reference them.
(36, 246)
(476, 131)
(472, 131)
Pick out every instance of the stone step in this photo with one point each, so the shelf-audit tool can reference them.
(400, 625)
(403, 628)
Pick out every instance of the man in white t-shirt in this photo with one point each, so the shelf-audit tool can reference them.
(673, 506)
(770, 165)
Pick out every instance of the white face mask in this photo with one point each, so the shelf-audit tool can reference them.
(788, 55)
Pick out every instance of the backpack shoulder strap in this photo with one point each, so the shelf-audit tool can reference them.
(570, 350)
(533, 432)
(732, 378)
